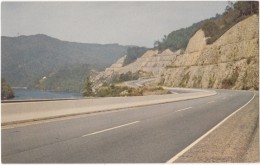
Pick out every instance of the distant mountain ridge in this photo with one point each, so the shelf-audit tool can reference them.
(26, 59)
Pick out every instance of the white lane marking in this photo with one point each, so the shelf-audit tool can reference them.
(183, 109)
(223, 98)
(206, 134)
(124, 125)
(110, 128)
(210, 102)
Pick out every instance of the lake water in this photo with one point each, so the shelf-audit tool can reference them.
(27, 94)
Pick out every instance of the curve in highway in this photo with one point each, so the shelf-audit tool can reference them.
(148, 134)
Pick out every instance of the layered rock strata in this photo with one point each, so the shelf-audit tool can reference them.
(230, 62)
(150, 62)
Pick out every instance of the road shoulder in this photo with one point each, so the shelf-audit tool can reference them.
(236, 140)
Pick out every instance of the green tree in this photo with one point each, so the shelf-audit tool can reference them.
(210, 28)
(6, 90)
(247, 7)
(88, 88)
(157, 44)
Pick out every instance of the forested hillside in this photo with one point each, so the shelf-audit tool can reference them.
(67, 78)
(27, 59)
(234, 13)
(177, 39)
(213, 27)
(133, 53)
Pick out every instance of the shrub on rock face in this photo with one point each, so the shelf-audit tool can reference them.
(6, 90)
(230, 82)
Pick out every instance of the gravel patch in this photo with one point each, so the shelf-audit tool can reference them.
(235, 141)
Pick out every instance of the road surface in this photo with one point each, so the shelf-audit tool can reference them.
(139, 83)
(148, 134)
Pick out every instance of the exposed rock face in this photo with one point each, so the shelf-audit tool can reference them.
(150, 62)
(230, 62)
(116, 66)
(197, 42)
(109, 72)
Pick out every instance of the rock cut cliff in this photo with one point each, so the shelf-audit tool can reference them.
(231, 62)
(151, 62)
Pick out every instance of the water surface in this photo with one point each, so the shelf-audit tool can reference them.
(27, 94)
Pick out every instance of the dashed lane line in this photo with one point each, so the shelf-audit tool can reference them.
(206, 134)
(184, 109)
(105, 130)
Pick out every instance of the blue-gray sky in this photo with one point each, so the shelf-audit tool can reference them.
(126, 23)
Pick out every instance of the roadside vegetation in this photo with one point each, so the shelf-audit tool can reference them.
(117, 90)
(128, 76)
(6, 90)
(113, 90)
(125, 77)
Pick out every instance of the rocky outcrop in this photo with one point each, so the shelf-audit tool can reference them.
(116, 66)
(197, 42)
(150, 62)
(230, 62)
(109, 72)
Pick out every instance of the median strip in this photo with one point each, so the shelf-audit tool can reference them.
(105, 130)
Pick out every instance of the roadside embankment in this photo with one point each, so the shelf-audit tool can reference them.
(236, 140)
(20, 112)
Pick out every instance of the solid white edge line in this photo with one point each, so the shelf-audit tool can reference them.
(211, 102)
(183, 109)
(203, 136)
(111, 128)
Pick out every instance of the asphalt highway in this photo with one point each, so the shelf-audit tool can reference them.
(139, 83)
(148, 134)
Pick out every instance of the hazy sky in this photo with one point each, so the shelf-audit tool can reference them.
(126, 23)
